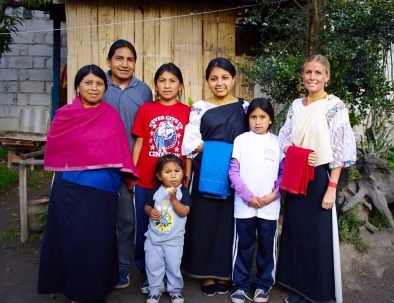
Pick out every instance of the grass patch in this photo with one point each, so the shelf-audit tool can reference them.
(12, 234)
(349, 226)
(378, 220)
(35, 178)
(6, 245)
(7, 176)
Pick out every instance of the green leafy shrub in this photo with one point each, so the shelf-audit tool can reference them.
(7, 176)
(354, 173)
(349, 226)
(3, 153)
(378, 220)
(390, 157)
(356, 36)
(12, 233)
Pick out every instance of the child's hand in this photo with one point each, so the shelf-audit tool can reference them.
(154, 214)
(171, 191)
(254, 202)
(267, 199)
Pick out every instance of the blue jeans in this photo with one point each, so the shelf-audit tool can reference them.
(126, 228)
(142, 220)
(244, 245)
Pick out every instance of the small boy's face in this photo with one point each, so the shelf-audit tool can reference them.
(171, 175)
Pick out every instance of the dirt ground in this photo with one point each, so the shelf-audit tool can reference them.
(367, 277)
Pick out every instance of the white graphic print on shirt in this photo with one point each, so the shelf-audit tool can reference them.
(164, 135)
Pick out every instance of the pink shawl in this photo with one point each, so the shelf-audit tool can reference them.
(87, 138)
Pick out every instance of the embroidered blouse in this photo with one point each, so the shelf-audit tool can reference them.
(341, 135)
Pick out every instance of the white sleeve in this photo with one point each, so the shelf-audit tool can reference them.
(191, 139)
(192, 135)
(237, 148)
(343, 143)
(285, 132)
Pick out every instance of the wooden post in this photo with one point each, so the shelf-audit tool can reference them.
(23, 203)
(23, 196)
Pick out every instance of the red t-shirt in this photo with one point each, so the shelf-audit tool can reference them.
(162, 128)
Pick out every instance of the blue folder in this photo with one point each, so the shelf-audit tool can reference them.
(215, 164)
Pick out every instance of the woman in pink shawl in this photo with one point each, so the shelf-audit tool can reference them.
(88, 149)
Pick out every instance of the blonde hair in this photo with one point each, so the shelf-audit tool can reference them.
(320, 59)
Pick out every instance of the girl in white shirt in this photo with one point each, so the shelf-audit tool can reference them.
(255, 174)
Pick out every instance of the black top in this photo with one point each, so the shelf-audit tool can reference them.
(222, 123)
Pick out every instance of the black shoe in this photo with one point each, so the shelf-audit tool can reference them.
(293, 299)
(222, 289)
(209, 290)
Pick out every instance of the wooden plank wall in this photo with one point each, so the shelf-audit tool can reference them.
(190, 41)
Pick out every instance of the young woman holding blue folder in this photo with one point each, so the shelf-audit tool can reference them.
(213, 126)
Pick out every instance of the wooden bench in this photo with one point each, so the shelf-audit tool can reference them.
(17, 142)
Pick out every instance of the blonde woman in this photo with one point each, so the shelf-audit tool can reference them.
(309, 262)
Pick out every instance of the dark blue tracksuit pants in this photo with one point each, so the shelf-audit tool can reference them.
(243, 250)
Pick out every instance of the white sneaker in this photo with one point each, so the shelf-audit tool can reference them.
(153, 298)
(239, 296)
(260, 296)
(176, 298)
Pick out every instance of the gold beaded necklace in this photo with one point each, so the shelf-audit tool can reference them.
(310, 99)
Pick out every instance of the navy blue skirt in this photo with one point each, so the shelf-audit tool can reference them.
(306, 262)
(79, 251)
(209, 234)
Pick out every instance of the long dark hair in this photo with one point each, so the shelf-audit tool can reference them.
(265, 105)
(222, 63)
(89, 69)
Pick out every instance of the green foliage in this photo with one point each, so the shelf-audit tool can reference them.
(376, 138)
(7, 176)
(349, 226)
(390, 157)
(190, 101)
(8, 26)
(355, 36)
(3, 153)
(354, 173)
(12, 234)
(377, 219)
(36, 177)
(10, 21)
(42, 214)
(35, 3)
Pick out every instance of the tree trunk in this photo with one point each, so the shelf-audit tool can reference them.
(314, 20)
(375, 186)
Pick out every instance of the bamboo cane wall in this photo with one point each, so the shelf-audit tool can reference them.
(190, 41)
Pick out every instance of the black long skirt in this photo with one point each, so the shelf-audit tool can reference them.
(306, 263)
(209, 235)
(79, 253)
